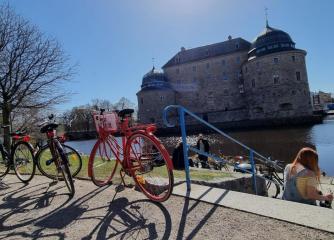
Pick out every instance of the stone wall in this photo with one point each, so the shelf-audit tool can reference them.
(210, 84)
(272, 88)
(151, 104)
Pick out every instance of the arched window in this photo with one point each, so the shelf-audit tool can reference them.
(285, 106)
(258, 110)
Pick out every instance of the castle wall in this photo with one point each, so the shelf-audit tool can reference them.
(210, 85)
(276, 85)
(151, 104)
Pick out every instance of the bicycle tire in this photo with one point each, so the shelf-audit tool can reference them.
(65, 170)
(102, 162)
(50, 171)
(24, 161)
(4, 166)
(150, 166)
(272, 192)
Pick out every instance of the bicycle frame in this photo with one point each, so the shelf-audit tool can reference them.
(119, 149)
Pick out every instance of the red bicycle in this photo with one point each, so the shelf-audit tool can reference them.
(136, 152)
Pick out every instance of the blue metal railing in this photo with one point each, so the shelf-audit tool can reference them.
(181, 113)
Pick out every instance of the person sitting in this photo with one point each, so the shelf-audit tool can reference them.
(203, 145)
(302, 178)
(178, 157)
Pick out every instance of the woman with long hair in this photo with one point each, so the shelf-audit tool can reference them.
(302, 178)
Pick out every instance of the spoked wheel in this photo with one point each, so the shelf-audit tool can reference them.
(23, 161)
(273, 188)
(150, 166)
(65, 170)
(46, 164)
(103, 162)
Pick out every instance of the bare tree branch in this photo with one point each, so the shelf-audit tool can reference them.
(33, 68)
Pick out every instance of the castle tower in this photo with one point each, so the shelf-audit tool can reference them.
(275, 80)
(155, 94)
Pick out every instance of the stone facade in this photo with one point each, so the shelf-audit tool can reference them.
(233, 80)
(276, 85)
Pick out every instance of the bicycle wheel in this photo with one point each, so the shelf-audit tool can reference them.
(23, 161)
(103, 162)
(150, 166)
(273, 188)
(46, 164)
(64, 168)
(4, 166)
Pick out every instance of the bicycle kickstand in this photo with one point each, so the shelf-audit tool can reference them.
(53, 183)
(122, 174)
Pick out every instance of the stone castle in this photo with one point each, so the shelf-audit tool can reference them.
(230, 81)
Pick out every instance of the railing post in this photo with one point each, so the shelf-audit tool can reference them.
(185, 146)
(251, 157)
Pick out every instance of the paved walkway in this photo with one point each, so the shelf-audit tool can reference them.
(302, 214)
(31, 212)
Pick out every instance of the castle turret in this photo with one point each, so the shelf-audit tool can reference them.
(275, 77)
(155, 94)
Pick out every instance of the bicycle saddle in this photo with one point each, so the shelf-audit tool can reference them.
(125, 112)
(49, 127)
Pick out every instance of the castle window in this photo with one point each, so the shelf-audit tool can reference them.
(293, 92)
(298, 76)
(225, 76)
(207, 52)
(225, 92)
(253, 83)
(177, 71)
(275, 60)
(246, 69)
(276, 79)
(237, 46)
(194, 68)
(258, 110)
(208, 65)
(238, 60)
(142, 100)
(285, 106)
(241, 88)
(162, 98)
(223, 62)
(152, 120)
(293, 58)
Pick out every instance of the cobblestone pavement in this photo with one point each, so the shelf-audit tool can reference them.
(29, 212)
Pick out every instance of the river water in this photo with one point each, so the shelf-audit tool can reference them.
(281, 144)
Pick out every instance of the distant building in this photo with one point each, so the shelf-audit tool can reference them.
(321, 99)
(233, 80)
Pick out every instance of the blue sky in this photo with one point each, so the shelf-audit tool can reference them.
(113, 42)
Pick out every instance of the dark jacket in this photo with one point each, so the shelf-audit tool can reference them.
(206, 145)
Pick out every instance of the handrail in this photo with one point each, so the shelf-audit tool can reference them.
(168, 108)
(181, 112)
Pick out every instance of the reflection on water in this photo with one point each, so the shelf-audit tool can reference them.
(281, 144)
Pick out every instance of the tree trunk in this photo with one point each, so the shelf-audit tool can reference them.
(6, 121)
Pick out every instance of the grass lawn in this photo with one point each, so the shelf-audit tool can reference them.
(204, 175)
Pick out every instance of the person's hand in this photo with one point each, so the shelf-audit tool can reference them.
(328, 197)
